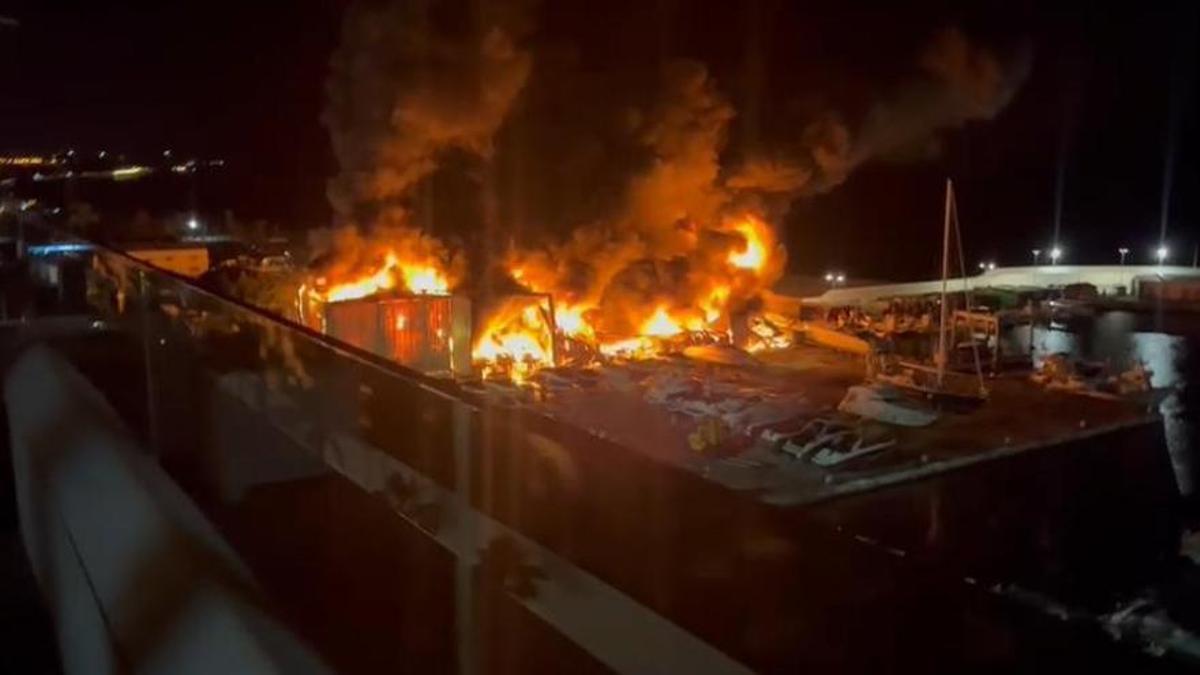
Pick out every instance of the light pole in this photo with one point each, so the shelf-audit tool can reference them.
(1161, 253)
(1055, 254)
(1124, 252)
(1037, 253)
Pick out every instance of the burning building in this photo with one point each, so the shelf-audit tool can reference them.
(673, 237)
(391, 295)
(428, 333)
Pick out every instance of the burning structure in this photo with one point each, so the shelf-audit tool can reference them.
(391, 295)
(673, 242)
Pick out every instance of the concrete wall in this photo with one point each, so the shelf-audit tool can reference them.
(134, 575)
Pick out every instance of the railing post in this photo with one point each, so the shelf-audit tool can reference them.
(152, 436)
(465, 606)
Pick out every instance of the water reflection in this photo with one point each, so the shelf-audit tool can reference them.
(1167, 345)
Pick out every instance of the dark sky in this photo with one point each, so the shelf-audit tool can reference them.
(246, 82)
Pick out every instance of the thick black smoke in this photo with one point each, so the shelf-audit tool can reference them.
(588, 125)
(411, 82)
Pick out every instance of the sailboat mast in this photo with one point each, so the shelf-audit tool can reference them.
(942, 354)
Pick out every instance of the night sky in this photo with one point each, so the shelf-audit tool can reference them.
(247, 83)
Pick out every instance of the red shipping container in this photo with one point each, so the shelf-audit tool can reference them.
(429, 333)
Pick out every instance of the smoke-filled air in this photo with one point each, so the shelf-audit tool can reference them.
(618, 187)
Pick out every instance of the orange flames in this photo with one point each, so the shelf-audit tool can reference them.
(635, 305)
(412, 277)
(390, 259)
(753, 255)
(599, 296)
(516, 339)
(660, 324)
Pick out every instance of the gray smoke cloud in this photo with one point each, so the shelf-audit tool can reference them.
(958, 82)
(963, 82)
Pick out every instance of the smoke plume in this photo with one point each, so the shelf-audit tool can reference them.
(961, 83)
(663, 208)
(411, 82)
(668, 242)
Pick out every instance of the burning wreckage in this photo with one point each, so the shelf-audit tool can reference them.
(640, 319)
(688, 358)
(653, 322)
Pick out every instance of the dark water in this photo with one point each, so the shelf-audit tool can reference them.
(1168, 343)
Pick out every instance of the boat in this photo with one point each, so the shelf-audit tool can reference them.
(950, 389)
(1095, 379)
(816, 433)
(936, 382)
(827, 442)
(849, 447)
(1066, 310)
(828, 336)
(885, 403)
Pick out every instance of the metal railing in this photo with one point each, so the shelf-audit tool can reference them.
(397, 520)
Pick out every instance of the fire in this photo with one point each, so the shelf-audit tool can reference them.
(515, 340)
(714, 305)
(753, 255)
(360, 265)
(660, 324)
(424, 280)
(631, 348)
(416, 278)
(570, 322)
(635, 297)
(380, 280)
(600, 295)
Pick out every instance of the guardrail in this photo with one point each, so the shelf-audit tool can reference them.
(397, 520)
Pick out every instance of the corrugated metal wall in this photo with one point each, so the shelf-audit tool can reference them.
(415, 331)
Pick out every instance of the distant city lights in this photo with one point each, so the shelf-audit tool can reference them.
(125, 172)
(30, 160)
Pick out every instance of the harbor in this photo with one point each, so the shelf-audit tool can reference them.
(640, 338)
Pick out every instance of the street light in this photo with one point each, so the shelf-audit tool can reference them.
(1161, 253)
(1037, 252)
(841, 278)
(1055, 254)
(1124, 252)
(193, 224)
(829, 277)
(991, 266)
